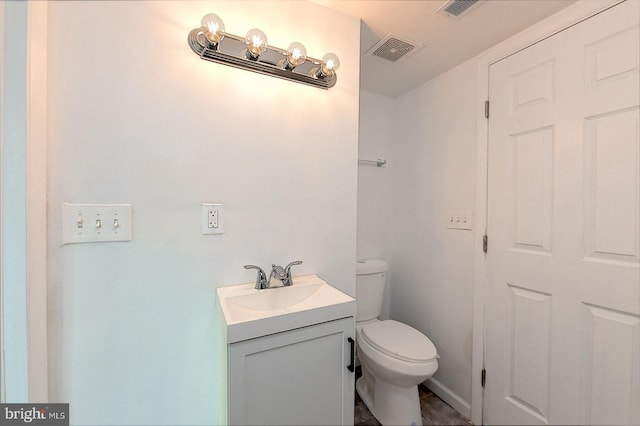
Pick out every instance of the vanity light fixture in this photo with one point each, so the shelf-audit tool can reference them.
(253, 53)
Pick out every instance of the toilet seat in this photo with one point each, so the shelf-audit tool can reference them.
(399, 341)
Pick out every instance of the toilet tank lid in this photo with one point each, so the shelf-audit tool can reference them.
(370, 266)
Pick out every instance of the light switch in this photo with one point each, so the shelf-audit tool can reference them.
(95, 223)
(459, 220)
(212, 218)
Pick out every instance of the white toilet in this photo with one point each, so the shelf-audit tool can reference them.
(395, 357)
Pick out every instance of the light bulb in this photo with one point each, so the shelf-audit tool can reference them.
(296, 54)
(212, 27)
(256, 41)
(330, 63)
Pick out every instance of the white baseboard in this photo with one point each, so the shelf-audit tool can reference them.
(450, 397)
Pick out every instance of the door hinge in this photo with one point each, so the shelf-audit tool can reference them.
(486, 109)
(483, 376)
(485, 243)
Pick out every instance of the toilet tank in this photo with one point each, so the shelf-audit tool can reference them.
(371, 277)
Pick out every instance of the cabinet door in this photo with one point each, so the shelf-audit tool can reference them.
(297, 377)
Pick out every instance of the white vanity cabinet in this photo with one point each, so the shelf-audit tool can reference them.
(289, 353)
(295, 377)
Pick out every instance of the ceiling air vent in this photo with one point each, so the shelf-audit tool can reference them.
(458, 8)
(393, 47)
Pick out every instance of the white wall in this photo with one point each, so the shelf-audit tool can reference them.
(428, 137)
(433, 265)
(136, 117)
(13, 205)
(375, 184)
(376, 141)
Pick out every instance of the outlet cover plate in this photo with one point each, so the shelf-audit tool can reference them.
(212, 222)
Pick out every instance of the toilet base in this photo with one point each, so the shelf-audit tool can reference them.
(390, 404)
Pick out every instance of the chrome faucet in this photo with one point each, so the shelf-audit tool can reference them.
(278, 273)
(283, 274)
(261, 280)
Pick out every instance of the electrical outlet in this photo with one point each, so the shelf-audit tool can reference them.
(212, 218)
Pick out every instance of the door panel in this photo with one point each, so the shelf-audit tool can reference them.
(529, 321)
(611, 234)
(563, 310)
(610, 367)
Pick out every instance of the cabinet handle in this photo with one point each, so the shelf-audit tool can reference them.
(351, 367)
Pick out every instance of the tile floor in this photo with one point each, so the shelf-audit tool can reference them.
(434, 411)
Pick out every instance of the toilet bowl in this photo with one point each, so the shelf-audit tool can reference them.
(395, 357)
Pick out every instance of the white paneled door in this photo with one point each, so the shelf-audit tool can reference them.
(563, 306)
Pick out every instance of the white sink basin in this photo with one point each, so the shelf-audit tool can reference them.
(251, 313)
(277, 298)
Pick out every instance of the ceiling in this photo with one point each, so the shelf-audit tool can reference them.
(446, 41)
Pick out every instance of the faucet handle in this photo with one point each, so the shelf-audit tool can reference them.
(261, 280)
(287, 268)
(287, 271)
